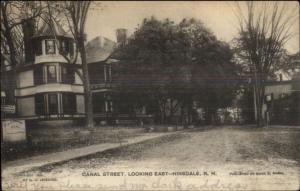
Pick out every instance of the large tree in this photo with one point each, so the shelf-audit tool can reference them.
(73, 14)
(148, 61)
(177, 62)
(212, 69)
(264, 29)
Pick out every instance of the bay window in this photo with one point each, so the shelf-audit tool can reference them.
(55, 103)
(52, 74)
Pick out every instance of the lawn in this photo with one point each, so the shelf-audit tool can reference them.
(54, 139)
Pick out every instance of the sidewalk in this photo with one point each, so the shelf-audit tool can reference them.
(21, 165)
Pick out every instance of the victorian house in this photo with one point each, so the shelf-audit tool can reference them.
(48, 84)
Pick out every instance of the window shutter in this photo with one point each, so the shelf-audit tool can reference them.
(38, 47)
(39, 104)
(38, 75)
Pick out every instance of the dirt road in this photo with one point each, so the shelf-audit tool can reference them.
(229, 158)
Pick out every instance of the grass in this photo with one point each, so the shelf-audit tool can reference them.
(49, 140)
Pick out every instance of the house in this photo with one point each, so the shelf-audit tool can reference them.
(48, 84)
(110, 104)
(100, 67)
(282, 101)
(282, 97)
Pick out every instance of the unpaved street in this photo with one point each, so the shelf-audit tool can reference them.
(228, 158)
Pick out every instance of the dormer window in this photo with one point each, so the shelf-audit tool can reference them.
(50, 47)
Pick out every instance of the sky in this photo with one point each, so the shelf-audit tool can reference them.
(219, 17)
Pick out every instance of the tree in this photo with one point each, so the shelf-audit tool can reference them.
(264, 28)
(13, 15)
(169, 62)
(145, 64)
(77, 15)
(213, 71)
(74, 14)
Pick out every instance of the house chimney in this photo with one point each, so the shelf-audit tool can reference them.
(121, 36)
(28, 32)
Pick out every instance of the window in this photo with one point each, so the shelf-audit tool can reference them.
(68, 75)
(269, 97)
(50, 47)
(51, 74)
(64, 47)
(69, 103)
(52, 103)
(282, 95)
(71, 44)
(38, 75)
(47, 103)
(99, 103)
(67, 47)
(39, 104)
(107, 73)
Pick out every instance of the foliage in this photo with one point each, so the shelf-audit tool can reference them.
(13, 15)
(182, 61)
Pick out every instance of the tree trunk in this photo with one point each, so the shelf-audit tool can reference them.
(207, 116)
(210, 116)
(259, 100)
(182, 113)
(87, 87)
(13, 61)
(171, 112)
(190, 117)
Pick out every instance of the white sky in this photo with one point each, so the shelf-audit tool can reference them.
(217, 16)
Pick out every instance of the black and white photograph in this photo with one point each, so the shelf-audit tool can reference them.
(150, 95)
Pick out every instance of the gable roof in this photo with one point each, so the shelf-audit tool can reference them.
(99, 49)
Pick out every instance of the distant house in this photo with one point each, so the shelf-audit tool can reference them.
(110, 104)
(282, 101)
(99, 51)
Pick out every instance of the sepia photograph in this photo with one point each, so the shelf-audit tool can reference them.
(150, 95)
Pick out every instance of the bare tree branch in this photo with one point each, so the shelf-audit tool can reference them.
(264, 30)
